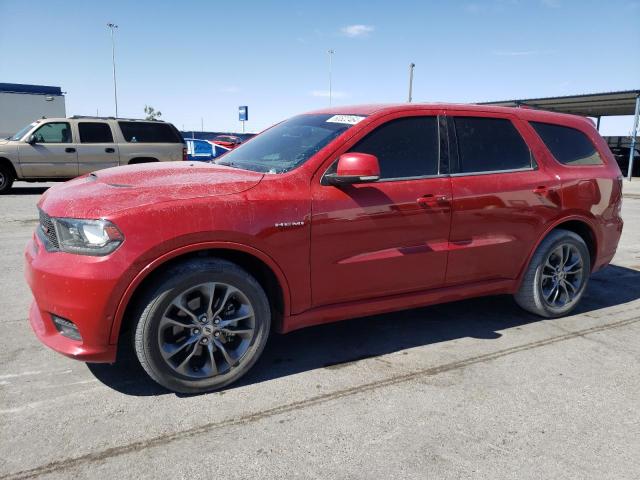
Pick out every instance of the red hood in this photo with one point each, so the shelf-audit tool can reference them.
(115, 189)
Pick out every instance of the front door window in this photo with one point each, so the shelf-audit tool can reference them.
(54, 132)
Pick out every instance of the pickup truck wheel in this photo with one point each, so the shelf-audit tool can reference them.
(6, 179)
(557, 275)
(202, 327)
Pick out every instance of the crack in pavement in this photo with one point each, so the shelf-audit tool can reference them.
(69, 463)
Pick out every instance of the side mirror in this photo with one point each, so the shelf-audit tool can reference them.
(31, 140)
(354, 168)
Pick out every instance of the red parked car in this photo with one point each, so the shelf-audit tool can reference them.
(335, 214)
(227, 141)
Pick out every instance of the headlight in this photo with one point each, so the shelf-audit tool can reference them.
(87, 237)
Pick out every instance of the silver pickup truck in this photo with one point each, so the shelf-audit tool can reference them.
(63, 148)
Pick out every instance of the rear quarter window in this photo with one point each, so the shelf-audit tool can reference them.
(141, 132)
(568, 145)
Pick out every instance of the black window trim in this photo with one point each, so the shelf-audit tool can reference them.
(455, 155)
(442, 151)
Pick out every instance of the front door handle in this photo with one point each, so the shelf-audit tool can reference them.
(109, 150)
(70, 150)
(431, 201)
(541, 190)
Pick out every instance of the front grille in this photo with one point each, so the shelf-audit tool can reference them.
(47, 229)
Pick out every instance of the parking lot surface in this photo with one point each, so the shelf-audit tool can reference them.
(474, 389)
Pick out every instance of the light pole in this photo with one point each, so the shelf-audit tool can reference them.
(411, 67)
(113, 26)
(330, 52)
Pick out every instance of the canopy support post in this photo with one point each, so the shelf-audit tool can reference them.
(634, 134)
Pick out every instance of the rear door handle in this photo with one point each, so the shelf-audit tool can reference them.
(541, 190)
(70, 150)
(109, 150)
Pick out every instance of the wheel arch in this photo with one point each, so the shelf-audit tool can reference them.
(260, 265)
(6, 162)
(581, 226)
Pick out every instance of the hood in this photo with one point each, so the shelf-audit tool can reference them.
(115, 189)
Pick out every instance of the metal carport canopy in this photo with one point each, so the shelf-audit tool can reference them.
(588, 105)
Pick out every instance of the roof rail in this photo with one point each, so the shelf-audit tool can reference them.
(76, 117)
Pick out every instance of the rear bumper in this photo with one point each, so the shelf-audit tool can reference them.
(77, 288)
(611, 233)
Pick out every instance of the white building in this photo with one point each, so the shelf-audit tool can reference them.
(22, 104)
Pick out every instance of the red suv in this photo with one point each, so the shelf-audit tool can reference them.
(334, 214)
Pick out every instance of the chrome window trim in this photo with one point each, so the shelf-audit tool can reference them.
(421, 177)
(489, 172)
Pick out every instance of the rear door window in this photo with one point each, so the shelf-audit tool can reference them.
(568, 145)
(93, 132)
(142, 132)
(406, 147)
(490, 145)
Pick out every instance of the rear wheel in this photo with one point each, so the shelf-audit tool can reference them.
(557, 275)
(6, 179)
(203, 327)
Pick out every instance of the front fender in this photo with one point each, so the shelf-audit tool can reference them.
(151, 266)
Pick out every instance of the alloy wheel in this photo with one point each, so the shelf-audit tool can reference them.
(562, 276)
(206, 330)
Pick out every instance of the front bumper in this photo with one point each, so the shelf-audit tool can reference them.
(78, 288)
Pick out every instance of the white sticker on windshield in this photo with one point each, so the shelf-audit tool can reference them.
(348, 119)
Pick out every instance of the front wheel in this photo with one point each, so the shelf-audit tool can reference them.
(6, 179)
(203, 326)
(557, 275)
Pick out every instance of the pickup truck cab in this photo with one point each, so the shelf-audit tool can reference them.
(329, 215)
(63, 148)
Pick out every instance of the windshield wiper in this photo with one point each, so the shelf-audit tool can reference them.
(226, 164)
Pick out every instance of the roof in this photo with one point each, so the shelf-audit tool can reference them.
(526, 114)
(33, 89)
(588, 105)
(397, 107)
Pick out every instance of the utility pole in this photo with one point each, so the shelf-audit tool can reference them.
(113, 26)
(411, 67)
(330, 52)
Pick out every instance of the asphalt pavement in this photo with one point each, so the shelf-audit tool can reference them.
(476, 389)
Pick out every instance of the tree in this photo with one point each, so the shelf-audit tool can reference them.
(151, 113)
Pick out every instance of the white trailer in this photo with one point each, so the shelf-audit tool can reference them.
(22, 104)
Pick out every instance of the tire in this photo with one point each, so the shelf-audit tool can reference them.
(175, 317)
(6, 179)
(537, 293)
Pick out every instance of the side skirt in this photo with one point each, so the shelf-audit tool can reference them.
(393, 303)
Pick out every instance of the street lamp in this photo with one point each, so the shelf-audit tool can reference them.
(113, 26)
(330, 52)
(411, 67)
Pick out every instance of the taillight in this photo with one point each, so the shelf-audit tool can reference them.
(184, 154)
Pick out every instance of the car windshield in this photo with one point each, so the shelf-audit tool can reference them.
(23, 132)
(288, 144)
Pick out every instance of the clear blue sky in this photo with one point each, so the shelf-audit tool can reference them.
(194, 59)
